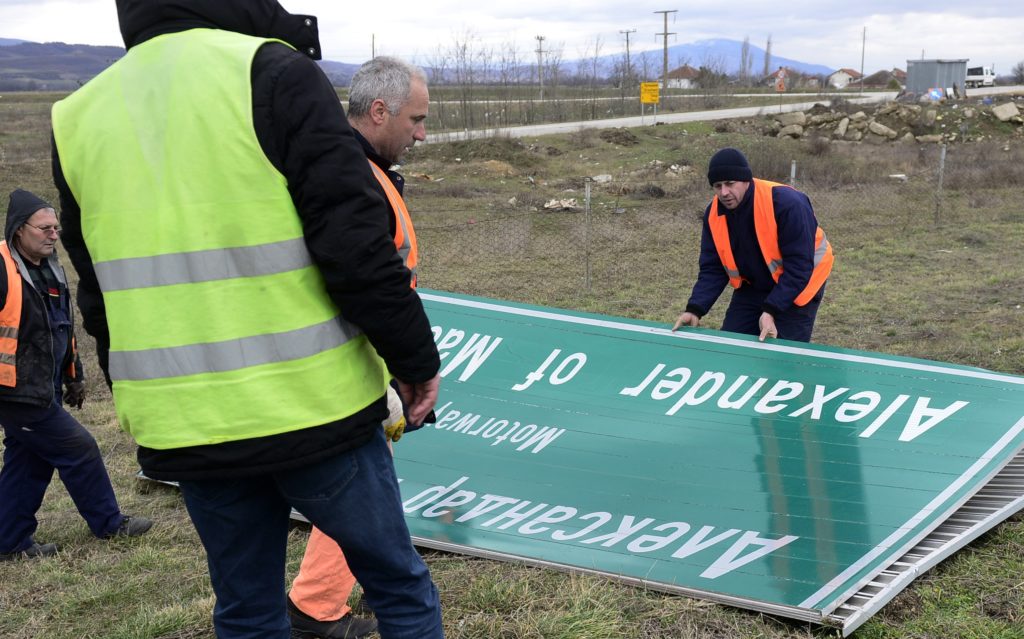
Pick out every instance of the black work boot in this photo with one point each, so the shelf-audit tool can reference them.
(132, 527)
(35, 551)
(348, 627)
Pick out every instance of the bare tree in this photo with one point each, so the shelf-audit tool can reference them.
(594, 73)
(510, 70)
(746, 63)
(438, 64)
(1018, 72)
(712, 79)
(624, 74)
(767, 58)
(465, 75)
(646, 66)
(483, 64)
(553, 65)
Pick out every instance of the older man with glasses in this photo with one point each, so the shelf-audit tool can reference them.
(37, 358)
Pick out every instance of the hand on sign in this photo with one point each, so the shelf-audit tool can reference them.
(687, 319)
(767, 324)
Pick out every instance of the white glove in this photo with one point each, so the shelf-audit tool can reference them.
(394, 425)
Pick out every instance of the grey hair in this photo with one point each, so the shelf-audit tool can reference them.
(382, 78)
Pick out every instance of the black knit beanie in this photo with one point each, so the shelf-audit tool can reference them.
(729, 165)
(21, 206)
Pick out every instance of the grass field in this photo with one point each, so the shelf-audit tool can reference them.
(919, 272)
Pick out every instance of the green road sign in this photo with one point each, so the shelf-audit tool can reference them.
(779, 476)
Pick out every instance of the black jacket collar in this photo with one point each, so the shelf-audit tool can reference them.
(141, 20)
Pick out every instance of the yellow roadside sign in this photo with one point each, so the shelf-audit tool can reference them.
(649, 93)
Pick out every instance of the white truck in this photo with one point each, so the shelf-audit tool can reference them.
(980, 77)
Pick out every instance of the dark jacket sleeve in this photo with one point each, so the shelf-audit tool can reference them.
(796, 227)
(89, 297)
(711, 278)
(304, 132)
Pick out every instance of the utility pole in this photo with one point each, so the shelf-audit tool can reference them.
(373, 45)
(863, 44)
(664, 63)
(629, 69)
(540, 64)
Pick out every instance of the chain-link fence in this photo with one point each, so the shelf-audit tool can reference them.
(629, 245)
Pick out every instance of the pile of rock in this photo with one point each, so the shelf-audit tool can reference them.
(894, 121)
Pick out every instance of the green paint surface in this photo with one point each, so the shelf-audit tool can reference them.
(776, 472)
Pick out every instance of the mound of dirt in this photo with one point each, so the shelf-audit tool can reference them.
(494, 168)
(622, 137)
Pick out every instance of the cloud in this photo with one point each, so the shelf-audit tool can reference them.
(824, 32)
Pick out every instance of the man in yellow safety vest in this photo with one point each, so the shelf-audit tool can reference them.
(247, 299)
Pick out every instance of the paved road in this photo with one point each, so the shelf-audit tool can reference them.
(634, 121)
(689, 116)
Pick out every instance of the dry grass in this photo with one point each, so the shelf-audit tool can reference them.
(948, 286)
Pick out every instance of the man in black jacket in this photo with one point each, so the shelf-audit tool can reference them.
(37, 358)
(242, 477)
(388, 106)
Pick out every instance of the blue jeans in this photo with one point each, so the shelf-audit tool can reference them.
(353, 498)
(796, 323)
(38, 440)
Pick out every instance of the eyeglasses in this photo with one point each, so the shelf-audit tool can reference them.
(46, 229)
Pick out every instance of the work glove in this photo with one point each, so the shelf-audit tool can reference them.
(74, 393)
(394, 425)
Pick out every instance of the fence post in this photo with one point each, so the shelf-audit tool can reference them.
(586, 233)
(938, 186)
(792, 173)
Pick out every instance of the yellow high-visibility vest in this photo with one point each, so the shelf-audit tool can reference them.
(221, 328)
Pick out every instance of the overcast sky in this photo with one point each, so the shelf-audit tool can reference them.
(827, 32)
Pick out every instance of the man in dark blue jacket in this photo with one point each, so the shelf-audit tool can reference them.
(763, 239)
(37, 358)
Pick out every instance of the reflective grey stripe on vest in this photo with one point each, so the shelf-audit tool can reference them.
(406, 246)
(819, 255)
(218, 357)
(7, 358)
(821, 249)
(732, 273)
(203, 266)
(9, 331)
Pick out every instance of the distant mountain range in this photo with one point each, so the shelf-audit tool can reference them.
(726, 54)
(56, 66)
(53, 66)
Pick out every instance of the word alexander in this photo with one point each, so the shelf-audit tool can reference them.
(788, 399)
(563, 524)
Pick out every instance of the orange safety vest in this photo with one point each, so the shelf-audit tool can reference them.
(10, 319)
(405, 235)
(768, 239)
(10, 323)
